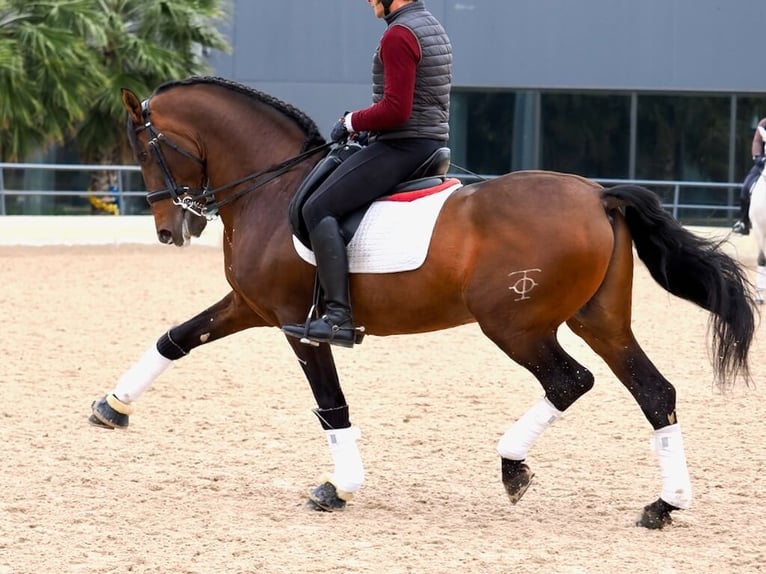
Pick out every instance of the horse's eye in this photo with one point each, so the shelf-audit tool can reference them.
(143, 156)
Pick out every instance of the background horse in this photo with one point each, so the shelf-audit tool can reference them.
(758, 221)
(520, 255)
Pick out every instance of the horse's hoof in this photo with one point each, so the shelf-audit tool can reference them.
(326, 497)
(656, 515)
(312, 506)
(516, 478)
(110, 412)
(97, 423)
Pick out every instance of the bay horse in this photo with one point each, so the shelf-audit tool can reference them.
(519, 254)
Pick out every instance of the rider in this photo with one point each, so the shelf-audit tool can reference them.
(742, 225)
(407, 122)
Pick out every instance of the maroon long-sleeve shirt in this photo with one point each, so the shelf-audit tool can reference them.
(400, 53)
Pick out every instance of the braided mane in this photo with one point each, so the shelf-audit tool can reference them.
(314, 138)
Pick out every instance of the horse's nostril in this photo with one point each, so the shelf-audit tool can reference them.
(165, 236)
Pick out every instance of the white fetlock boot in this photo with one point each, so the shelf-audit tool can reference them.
(338, 488)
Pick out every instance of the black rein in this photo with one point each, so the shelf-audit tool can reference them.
(201, 201)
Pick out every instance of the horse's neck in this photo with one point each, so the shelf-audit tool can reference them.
(265, 205)
(252, 147)
(248, 149)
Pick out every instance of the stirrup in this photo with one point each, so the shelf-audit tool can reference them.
(335, 335)
(303, 332)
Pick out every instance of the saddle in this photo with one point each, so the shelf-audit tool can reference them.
(432, 172)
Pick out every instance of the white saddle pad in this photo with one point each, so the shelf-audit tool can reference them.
(392, 236)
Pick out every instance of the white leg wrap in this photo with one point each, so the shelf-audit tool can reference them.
(518, 439)
(668, 443)
(348, 475)
(141, 375)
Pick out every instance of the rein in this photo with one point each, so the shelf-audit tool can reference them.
(201, 201)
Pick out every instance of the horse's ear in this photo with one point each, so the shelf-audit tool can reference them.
(131, 103)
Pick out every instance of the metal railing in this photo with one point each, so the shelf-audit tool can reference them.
(120, 193)
(675, 204)
(670, 191)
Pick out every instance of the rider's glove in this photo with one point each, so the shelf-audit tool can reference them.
(339, 132)
(759, 160)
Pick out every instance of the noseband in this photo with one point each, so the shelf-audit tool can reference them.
(182, 195)
(201, 201)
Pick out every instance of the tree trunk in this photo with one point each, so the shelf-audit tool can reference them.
(103, 186)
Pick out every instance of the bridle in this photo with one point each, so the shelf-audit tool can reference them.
(201, 201)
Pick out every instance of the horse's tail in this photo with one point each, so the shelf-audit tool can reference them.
(695, 269)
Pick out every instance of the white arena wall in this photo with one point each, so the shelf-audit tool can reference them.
(90, 230)
(41, 230)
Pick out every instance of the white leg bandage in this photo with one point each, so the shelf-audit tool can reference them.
(518, 439)
(348, 475)
(668, 443)
(760, 279)
(141, 375)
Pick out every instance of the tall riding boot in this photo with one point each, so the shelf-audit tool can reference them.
(336, 325)
(746, 211)
(743, 225)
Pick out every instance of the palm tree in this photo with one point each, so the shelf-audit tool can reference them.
(47, 70)
(63, 62)
(146, 43)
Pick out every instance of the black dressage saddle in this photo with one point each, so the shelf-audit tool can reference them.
(430, 173)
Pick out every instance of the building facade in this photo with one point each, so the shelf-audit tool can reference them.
(651, 90)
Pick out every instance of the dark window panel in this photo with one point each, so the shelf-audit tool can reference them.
(586, 134)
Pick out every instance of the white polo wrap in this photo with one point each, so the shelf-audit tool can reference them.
(518, 439)
(348, 475)
(140, 376)
(668, 443)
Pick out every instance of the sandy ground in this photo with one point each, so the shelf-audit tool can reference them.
(212, 473)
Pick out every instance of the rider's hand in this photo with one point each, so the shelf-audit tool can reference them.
(339, 132)
(760, 161)
(362, 138)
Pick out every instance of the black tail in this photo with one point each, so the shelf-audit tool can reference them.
(695, 269)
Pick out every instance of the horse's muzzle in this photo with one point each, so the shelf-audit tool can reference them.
(165, 236)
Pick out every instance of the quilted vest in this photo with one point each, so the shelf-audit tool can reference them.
(433, 79)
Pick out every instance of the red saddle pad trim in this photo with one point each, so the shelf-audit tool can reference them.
(418, 193)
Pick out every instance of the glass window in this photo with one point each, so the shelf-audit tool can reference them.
(586, 134)
(683, 138)
(481, 124)
(686, 138)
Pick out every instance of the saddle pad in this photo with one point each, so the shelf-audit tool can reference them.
(393, 236)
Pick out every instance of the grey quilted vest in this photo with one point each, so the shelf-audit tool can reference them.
(430, 108)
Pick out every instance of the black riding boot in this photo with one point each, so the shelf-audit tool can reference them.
(336, 325)
(743, 225)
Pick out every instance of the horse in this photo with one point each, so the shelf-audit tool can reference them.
(757, 214)
(519, 254)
